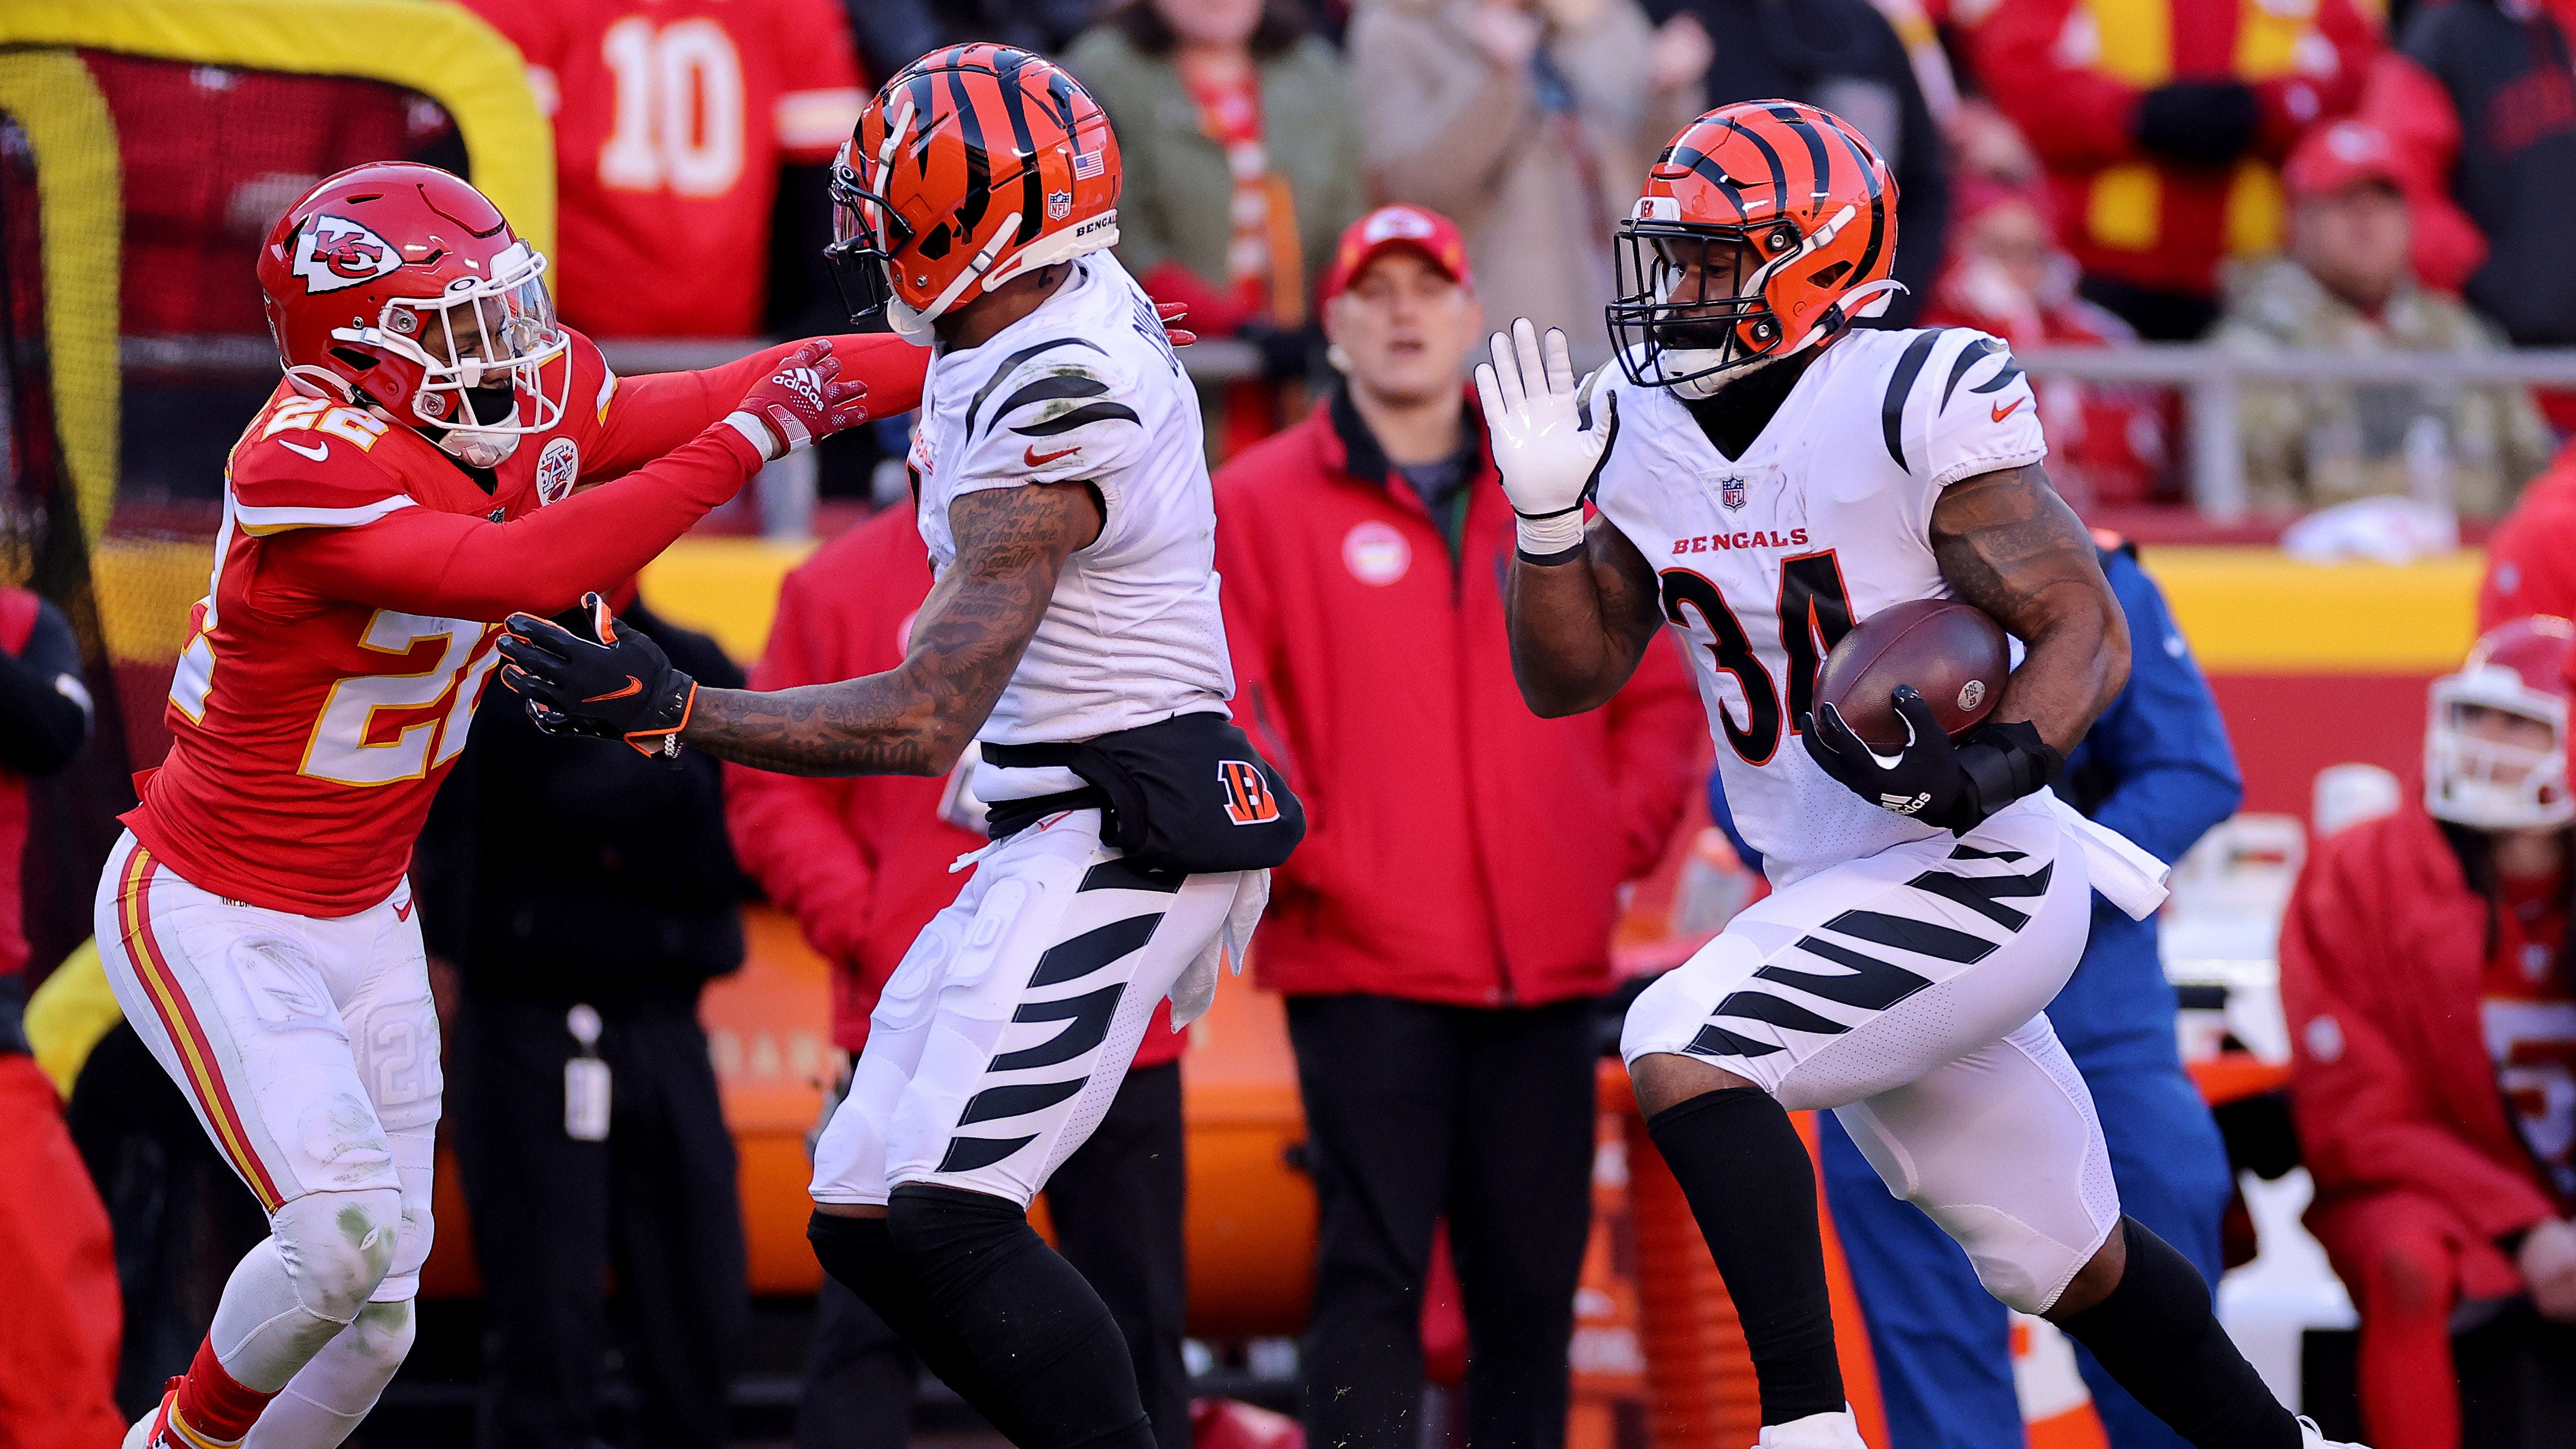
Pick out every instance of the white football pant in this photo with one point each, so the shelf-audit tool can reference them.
(1905, 990)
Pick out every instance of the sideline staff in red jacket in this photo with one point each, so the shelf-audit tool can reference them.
(2425, 978)
(862, 863)
(1442, 930)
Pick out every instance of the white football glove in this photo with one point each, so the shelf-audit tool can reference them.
(1547, 456)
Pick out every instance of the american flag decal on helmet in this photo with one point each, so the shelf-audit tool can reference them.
(1086, 164)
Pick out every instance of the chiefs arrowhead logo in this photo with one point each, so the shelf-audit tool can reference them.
(333, 252)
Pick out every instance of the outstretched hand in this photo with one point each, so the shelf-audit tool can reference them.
(1548, 456)
(803, 399)
(619, 685)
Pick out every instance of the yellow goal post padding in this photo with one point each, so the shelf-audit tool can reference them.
(441, 50)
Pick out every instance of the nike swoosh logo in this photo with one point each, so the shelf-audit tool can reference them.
(403, 912)
(633, 686)
(317, 452)
(2006, 410)
(1036, 459)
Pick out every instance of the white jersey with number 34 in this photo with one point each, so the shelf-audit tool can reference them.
(1764, 561)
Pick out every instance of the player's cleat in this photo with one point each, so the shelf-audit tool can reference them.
(2312, 1437)
(162, 1428)
(1836, 1430)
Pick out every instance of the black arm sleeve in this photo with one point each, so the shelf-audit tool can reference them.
(44, 707)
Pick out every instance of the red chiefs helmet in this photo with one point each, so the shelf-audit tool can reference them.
(2473, 777)
(1765, 228)
(403, 284)
(974, 165)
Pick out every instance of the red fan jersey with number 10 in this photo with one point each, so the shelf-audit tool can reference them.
(672, 118)
(333, 667)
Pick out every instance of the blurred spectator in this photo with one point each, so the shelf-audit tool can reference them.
(1842, 55)
(2345, 287)
(1532, 122)
(585, 897)
(2425, 982)
(672, 120)
(2161, 131)
(1443, 931)
(2158, 768)
(58, 1371)
(2531, 556)
(863, 864)
(2481, 108)
(1242, 153)
(2007, 275)
(894, 33)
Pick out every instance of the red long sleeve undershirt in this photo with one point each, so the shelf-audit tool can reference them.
(459, 566)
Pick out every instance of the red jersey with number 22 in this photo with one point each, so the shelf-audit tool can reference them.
(333, 667)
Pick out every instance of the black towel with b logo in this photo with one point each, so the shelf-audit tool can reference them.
(1188, 794)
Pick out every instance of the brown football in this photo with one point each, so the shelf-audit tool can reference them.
(1953, 654)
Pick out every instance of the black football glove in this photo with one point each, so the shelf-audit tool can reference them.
(619, 685)
(1952, 786)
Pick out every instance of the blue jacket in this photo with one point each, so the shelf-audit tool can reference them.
(2156, 767)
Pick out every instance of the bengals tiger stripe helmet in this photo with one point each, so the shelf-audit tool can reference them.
(975, 164)
(1766, 228)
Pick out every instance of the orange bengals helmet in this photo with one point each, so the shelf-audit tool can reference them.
(975, 164)
(1765, 229)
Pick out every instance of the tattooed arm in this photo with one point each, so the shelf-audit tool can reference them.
(1579, 625)
(2009, 545)
(916, 718)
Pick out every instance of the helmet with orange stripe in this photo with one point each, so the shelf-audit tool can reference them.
(1766, 228)
(974, 165)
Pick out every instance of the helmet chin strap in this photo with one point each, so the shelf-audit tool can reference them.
(477, 447)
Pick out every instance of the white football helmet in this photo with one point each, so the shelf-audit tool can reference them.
(2517, 668)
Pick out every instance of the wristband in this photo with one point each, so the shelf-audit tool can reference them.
(757, 433)
(2003, 763)
(1551, 533)
(1547, 560)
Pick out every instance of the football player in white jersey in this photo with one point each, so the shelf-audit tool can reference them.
(1767, 477)
(1074, 638)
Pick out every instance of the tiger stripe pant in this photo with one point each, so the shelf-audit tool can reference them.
(1906, 991)
(1000, 1040)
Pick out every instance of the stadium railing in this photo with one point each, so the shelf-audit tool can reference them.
(2210, 379)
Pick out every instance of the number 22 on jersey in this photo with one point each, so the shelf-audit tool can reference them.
(340, 749)
(1814, 612)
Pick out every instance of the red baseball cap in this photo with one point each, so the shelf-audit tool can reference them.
(2330, 158)
(1415, 228)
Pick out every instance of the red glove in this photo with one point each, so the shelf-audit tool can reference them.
(803, 400)
(1173, 313)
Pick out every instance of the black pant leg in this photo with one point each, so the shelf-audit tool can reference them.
(1520, 1209)
(860, 1377)
(540, 1210)
(1379, 1078)
(1118, 1206)
(677, 1219)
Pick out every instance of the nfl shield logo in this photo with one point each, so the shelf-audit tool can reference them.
(1059, 205)
(1730, 491)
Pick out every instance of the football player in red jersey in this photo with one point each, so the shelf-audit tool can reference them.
(412, 480)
